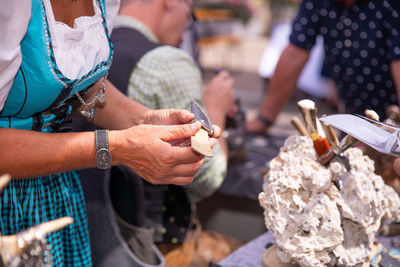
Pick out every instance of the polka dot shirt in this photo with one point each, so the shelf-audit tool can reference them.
(359, 42)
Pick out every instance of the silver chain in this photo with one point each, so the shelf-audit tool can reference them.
(88, 107)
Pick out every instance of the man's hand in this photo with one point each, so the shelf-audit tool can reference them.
(256, 126)
(219, 94)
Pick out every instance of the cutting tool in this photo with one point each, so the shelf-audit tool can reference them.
(199, 141)
(201, 116)
(378, 135)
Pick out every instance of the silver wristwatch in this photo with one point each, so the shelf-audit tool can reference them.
(103, 155)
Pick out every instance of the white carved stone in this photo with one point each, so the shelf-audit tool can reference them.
(315, 224)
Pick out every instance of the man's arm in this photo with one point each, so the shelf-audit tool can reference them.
(282, 85)
(396, 166)
(172, 80)
(218, 97)
(395, 69)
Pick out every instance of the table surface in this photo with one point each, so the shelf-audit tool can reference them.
(250, 255)
(245, 176)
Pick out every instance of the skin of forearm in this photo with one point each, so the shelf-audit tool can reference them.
(50, 153)
(118, 112)
(284, 80)
(28, 153)
(395, 69)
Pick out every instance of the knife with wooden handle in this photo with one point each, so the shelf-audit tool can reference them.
(200, 141)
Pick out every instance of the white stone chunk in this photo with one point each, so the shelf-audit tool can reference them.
(315, 224)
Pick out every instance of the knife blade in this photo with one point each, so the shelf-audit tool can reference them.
(201, 116)
(365, 132)
(199, 141)
(387, 127)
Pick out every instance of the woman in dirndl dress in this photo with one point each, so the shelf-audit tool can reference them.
(54, 59)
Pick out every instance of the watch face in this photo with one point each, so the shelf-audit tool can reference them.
(103, 158)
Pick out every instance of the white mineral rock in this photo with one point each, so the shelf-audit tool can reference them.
(315, 224)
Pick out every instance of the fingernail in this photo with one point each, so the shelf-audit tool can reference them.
(196, 124)
(212, 141)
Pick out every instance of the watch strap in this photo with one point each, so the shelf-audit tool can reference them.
(264, 120)
(101, 137)
(103, 155)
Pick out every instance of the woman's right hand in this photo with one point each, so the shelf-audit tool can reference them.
(148, 150)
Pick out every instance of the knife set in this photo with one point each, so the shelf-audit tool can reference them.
(311, 221)
(378, 135)
(325, 141)
(381, 138)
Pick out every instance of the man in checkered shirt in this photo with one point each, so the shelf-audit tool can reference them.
(149, 67)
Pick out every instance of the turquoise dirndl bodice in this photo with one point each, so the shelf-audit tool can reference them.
(39, 100)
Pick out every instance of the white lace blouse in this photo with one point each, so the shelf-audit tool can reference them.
(77, 50)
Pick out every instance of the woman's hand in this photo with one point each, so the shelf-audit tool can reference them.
(166, 117)
(172, 117)
(148, 150)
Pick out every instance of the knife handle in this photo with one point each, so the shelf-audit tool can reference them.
(321, 145)
(347, 142)
(299, 126)
(200, 143)
(396, 148)
(330, 133)
(4, 180)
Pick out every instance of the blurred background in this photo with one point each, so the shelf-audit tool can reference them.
(246, 38)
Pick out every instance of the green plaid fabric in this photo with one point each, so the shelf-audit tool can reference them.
(167, 77)
(28, 202)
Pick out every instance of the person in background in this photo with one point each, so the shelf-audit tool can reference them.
(362, 52)
(161, 75)
(396, 166)
(54, 59)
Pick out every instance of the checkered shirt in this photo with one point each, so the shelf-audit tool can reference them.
(167, 77)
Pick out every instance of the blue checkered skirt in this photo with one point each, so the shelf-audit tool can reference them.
(27, 202)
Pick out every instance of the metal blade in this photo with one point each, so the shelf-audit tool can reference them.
(201, 116)
(380, 124)
(364, 131)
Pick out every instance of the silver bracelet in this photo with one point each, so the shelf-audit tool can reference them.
(35, 252)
